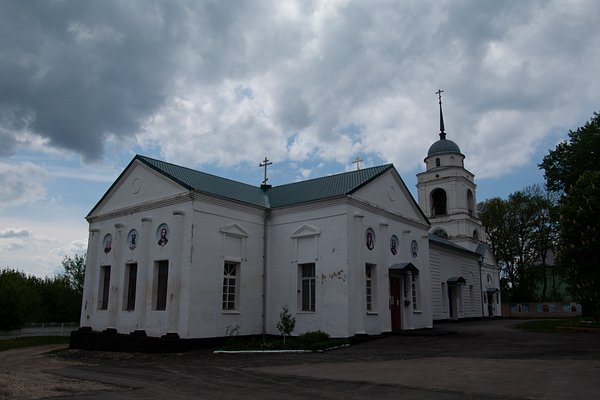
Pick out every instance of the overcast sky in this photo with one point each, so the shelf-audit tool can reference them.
(219, 85)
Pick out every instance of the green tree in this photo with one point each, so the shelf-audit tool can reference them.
(61, 303)
(74, 268)
(25, 299)
(286, 323)
(20, 300)
(571, 170)
(520, 231)
(545, 239)
(579, 253)
(570, 159)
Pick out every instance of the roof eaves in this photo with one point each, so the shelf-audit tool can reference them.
(450, 245)
(385, 168)
(145, 161)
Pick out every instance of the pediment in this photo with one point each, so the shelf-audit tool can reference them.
(137, 185)
(306, 231)
(389, 192)
(233, 230)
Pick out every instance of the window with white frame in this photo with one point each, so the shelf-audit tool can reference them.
(307, 286)
(370, 286)
(104, 288)
(230, 285)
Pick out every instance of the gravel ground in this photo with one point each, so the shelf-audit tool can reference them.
(481, 360)
(23, 374)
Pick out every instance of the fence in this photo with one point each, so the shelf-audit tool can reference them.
(41, 329)
(541, 310)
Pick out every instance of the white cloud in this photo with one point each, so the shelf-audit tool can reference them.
(39, 250)
(21, 183)
(225, 84)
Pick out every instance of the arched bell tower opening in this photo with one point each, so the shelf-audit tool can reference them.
(438, 202)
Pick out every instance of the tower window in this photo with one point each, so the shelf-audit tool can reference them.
(470, 203)
(437, 162)
(438, 202)
(475, 235)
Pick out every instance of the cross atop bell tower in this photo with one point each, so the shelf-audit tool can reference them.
(442, 133)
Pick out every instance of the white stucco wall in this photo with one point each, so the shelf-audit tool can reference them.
(335, 242)
(204, 232)
(446, 264)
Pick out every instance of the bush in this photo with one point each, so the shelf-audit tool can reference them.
(314, 337)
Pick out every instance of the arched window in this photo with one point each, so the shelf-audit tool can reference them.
(438, 202)
(437, 162)
(470, 203)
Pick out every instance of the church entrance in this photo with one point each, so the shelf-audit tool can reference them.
(455, 299)
(395, 305)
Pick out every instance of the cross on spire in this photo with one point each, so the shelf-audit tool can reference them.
(442, 133)
(357, 161)
(265, 163)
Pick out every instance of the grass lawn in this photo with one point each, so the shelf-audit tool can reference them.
(559, 325)
(8, 344)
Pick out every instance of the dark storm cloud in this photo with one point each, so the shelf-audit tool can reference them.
(74, 72)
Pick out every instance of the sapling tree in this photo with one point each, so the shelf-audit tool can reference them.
(286, 323)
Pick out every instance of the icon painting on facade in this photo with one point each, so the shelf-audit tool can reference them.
(107, 243)
(394, 244)
(162, 235)
(370, 238)
(414, 249)
(132, 239)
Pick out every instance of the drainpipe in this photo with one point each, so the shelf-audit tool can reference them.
(264, 288)
(480, 262)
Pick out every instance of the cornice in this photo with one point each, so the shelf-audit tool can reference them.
(142, 207)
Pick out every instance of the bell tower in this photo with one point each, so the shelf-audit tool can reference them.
(447, 192)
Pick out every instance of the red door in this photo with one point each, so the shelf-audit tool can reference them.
(395, 307)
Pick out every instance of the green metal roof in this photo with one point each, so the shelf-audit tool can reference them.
(277, 196)
(207, 183)
(323, 188)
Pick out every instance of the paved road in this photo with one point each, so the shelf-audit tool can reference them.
(483, 360)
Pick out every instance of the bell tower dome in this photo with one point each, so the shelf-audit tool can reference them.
(447, 191)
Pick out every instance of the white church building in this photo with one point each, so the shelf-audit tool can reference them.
(178, 252)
